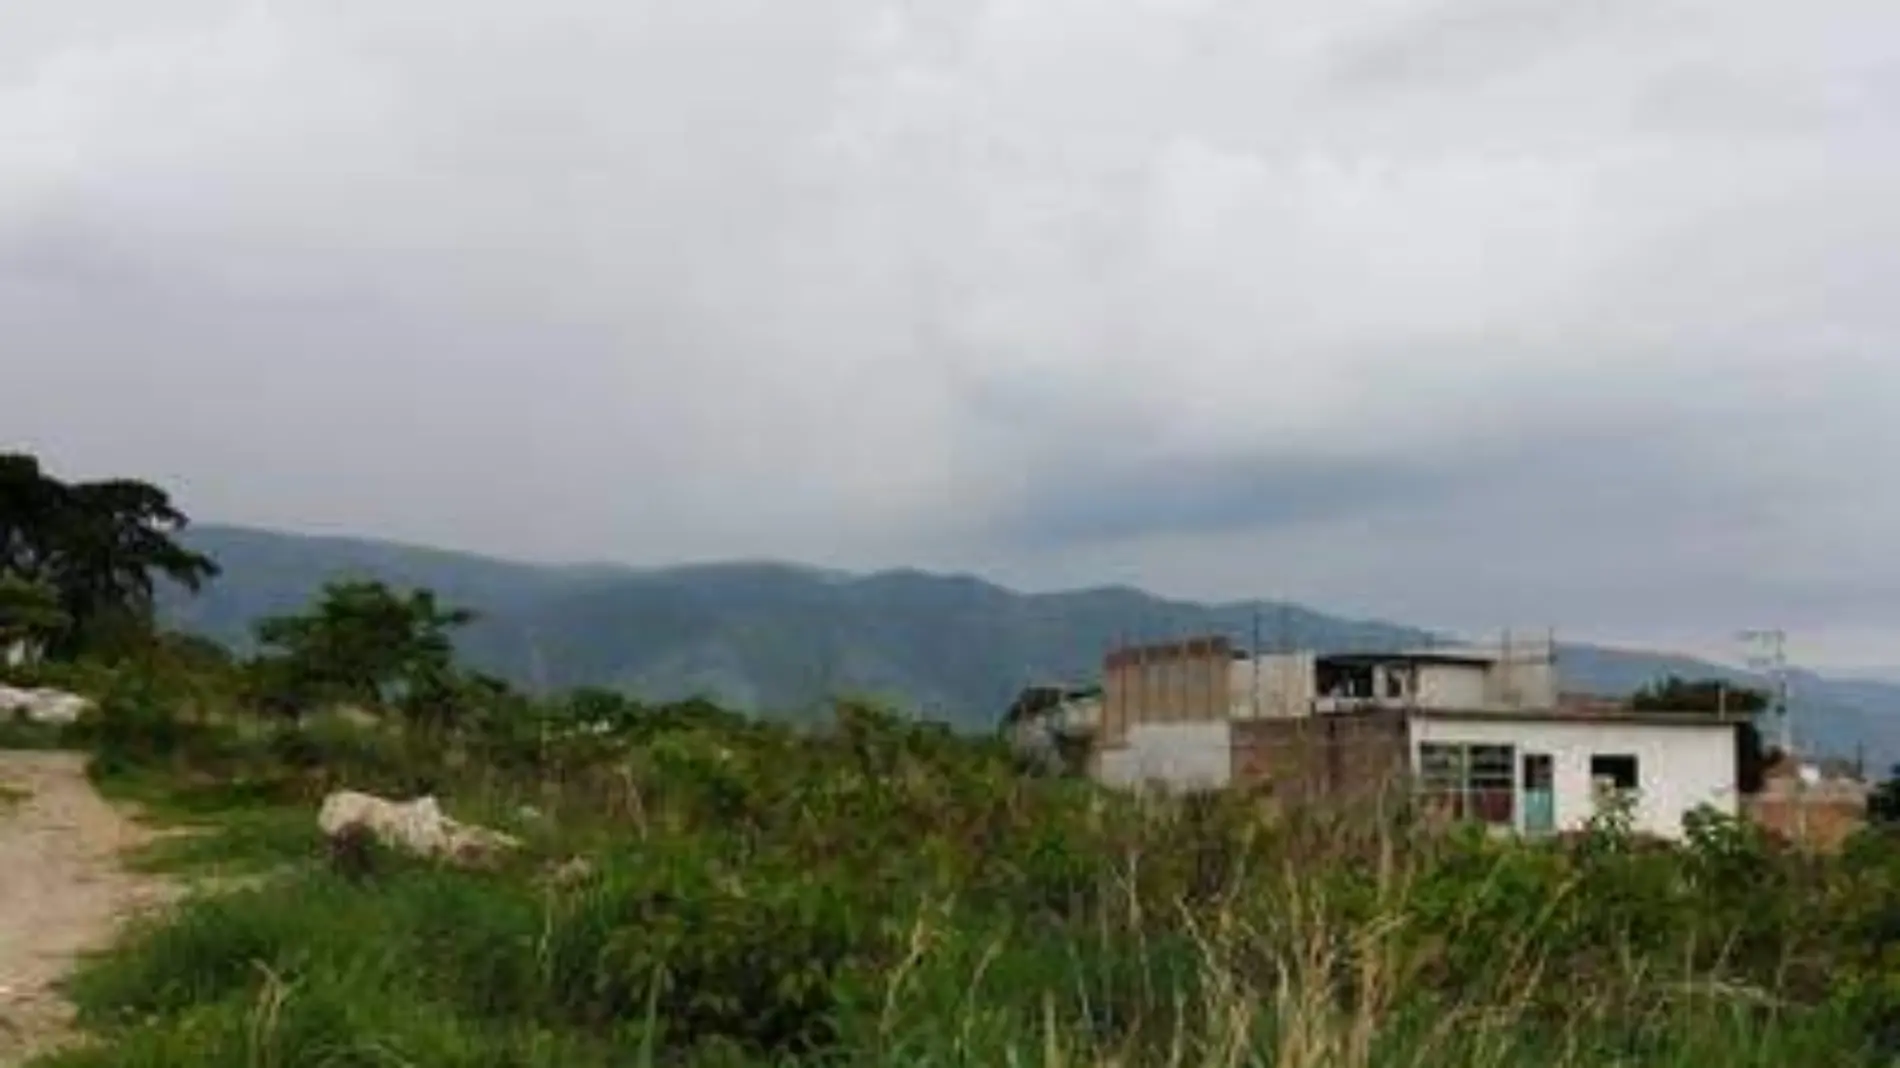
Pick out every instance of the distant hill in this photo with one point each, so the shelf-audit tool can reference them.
(777, 637)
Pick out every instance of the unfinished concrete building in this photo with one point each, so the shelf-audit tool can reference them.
(1483, 731)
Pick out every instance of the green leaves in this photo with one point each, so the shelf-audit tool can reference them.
(29, 612)
(1676, 694)
(98, 546)
(363, 643)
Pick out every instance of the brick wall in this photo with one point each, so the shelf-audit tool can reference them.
(1829, 821)
(1346, 756)
(1176, 682)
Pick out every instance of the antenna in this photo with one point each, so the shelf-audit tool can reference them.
(1507, 660)
(1768, 652)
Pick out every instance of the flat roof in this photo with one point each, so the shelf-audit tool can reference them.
(1430, 657)
(1205, 645)
(1557, 715)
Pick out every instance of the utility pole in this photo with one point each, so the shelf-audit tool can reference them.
(1254, 655)
(537, 664)
(1507, 660)
(1768, 652)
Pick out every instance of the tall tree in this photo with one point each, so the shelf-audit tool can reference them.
(30, 614)
(101, 546)
(114, 539)
(30, 503)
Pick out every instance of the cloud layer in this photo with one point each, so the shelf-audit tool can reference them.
(1479, 313)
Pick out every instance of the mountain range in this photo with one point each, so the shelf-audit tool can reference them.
(779, 637)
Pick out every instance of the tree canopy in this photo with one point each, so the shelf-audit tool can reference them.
(1675, 694)
(363, 643)
(29, 611)
(97, 549)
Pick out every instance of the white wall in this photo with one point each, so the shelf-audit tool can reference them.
(1522, 673)
(1240, 687)
(1286, 686)
(1082, 713)
(1524, 683)
(1452, 686)
(1199, 755)
(1678, 766)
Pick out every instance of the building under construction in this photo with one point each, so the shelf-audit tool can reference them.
(1483, 729)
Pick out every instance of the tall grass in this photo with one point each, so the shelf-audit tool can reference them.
(881, 894)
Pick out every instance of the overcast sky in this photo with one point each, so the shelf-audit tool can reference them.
(1471, 313)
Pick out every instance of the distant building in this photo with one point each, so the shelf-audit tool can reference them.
(1054, 726)
(1542, 770)
(1481, 734)
(1817, 805)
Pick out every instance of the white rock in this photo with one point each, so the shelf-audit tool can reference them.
(416, 826)
(42, 706)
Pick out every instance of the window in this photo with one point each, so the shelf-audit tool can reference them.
(1470, 781)
(1616, 771)
(1540, 772)
(1442, 771)
(1394, 683)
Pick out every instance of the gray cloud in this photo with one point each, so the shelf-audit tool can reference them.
(1469, 313)
(1086, 505)
(1447, 44)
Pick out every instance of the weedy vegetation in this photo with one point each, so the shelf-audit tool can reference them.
(697, 887)
(702, 888)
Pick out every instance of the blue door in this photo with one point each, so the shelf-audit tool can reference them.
(1540, 797)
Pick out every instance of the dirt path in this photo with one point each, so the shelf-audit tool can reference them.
(63, 890)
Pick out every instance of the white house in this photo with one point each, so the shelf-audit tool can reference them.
(1482, 730)
(1539, 771)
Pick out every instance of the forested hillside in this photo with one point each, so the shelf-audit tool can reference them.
(778, 638)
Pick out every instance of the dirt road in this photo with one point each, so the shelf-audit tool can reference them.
(63, 890)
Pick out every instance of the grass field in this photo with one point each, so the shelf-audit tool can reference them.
(885, 894)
